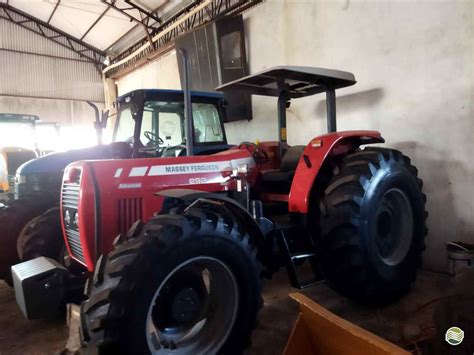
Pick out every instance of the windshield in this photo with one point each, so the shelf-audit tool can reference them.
(17, 134)
(48, 138)
(125, 126)
(163, 125)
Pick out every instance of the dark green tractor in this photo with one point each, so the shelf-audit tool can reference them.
(29, 216)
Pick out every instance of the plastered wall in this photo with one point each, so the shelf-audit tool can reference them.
(162, 73)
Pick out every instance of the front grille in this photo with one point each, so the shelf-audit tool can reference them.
(71, 196)
(70, 202)
(129, 211)
(75, 244)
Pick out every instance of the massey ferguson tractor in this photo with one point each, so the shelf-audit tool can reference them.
(177, 239)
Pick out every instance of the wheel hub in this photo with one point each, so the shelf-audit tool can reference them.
(193, 309)
(181, 301)
(394, 227)
(384, 224)
(186, 306)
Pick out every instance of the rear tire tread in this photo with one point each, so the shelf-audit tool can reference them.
(340, 224)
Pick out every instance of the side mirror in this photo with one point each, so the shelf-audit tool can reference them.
(104, 119)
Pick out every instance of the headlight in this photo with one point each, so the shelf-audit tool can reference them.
(76, 219)
(67, 217)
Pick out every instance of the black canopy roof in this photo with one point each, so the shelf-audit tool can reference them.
(295, 80)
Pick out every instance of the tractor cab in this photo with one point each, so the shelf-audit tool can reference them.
(153, 123)
(17, 145)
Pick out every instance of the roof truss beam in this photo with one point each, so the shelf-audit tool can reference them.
(185, 20)
(144, 14)
(53, 12)
(45, 30)
(95, 22)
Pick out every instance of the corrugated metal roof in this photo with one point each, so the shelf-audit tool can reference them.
(33, 66)
(38, 76)
(92, 21)
(20, 39)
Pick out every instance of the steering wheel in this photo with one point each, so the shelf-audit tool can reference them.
(259, 155)
(153, 138)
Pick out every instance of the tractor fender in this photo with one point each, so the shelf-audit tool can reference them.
(186, 197)
(320, 150)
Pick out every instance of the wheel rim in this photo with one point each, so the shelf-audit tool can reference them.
(194, 308)
(394, 227)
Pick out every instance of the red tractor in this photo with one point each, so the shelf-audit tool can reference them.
(176, 240)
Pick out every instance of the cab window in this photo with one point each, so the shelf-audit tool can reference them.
(170, 129)
(125, 126)
(207, 125)
(162, 124)
(148, 128)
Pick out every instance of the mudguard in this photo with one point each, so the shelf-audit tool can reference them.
(257, 226)
(173, 197)
(316, 153)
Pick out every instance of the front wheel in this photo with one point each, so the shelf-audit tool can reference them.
(13, 219)
(373, 226)
(187, 283)
(42, 236)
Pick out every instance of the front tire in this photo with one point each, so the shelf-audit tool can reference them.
(42, 237)
(13, 218)
(151, 295)
(373, 226)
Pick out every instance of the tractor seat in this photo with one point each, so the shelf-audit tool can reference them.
(279, 181)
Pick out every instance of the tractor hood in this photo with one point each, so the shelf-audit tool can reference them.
(45, 174)
(56, 162)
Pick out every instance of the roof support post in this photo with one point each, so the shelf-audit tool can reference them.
(331, 110)
(282, 105)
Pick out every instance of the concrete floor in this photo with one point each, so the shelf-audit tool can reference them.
(399, 322)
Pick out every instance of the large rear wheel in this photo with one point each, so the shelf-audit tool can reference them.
(373, 226)
(188, 283)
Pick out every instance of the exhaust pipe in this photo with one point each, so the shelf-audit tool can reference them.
(100, 122)
(188, 109)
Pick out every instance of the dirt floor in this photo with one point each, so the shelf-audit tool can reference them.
(400, 322)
